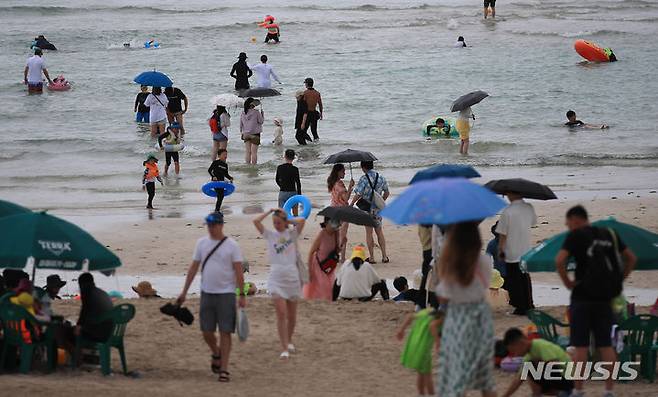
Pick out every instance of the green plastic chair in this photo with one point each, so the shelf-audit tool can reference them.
(120, 316)
(15, 320)
(640, 339)
(547, 327)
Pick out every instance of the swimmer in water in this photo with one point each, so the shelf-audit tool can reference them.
(460, 42)
(573, 122)
(126, 45)
(439, 126)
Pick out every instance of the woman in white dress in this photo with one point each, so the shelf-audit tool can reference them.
(284, 283)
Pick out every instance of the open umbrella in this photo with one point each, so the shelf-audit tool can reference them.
(524, 187)
(350, 156)
(258, 92)
(8, 208)
(643, 243)
(467, 100)
(153, 78)
(445, 171)
(349, 214)
(227, 100)
(443, 202)
(51, 243)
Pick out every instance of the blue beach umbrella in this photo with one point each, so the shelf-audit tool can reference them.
(153, 78)
(445, 171)
(443, 202)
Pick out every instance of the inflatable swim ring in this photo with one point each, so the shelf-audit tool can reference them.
(209, 188)
(298, 199)
(511, 364)
(449, 131)
(151, 44)
(590, 51)
(170, 148)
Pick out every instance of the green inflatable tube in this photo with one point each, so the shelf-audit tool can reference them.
(429, 128)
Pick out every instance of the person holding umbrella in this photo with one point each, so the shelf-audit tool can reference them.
(251, 126)
(372, 183)
(241, 73)
(157, 103)
(463, 106)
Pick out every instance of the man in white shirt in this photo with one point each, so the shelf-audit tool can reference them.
(220, 260)
(357, 279)
(263, 73)
(514, 230)
(32, 74)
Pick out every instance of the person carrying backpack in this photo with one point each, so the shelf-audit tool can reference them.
(603, 262)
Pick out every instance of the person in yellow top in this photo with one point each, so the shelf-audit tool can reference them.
(24, 297)
(534, 351)
(464, 128)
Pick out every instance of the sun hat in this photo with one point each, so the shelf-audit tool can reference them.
(497, 280)
(54, 281)
(359, 252)
(145, 290)
(242, 55)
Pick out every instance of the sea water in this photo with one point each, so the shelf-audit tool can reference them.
(383, 67)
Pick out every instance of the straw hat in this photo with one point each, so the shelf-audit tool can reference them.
(145, 290)
(497, 280)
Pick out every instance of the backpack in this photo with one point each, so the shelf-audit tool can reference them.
(603, 275)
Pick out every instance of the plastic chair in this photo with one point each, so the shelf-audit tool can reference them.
(120, 316)
(547, 327)
(639, 339)
(20, 330)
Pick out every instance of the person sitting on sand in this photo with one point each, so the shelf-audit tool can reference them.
(357, 279)
(145, 290)
(573, 122)
(534, 351)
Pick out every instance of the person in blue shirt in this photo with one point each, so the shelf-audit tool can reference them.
(492, 250)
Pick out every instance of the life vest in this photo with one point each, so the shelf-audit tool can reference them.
(214, 124)
(151, 171)
(272, 28)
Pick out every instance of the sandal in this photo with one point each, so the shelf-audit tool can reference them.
(214, 367)
(370, 261)
(385, 259)
(284, 355)
(224, 376)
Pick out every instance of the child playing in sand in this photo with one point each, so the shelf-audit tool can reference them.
(151, 173)
(417, 353)
(573, 122)
(278, 132)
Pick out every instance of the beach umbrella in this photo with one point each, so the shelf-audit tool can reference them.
(153, 78)
(470, 99)
(227, 100)
(524, 187)
(51, 243)
(643, 243)
(349, 214)
(442, 202)
(350, 156)
(445, 171)
(8, 208)
(258, 92)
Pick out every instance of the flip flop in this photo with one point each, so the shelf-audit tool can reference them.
(385, 260)
(224, 377)
(214, 367)
(372, 262)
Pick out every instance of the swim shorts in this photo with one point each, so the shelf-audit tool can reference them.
(464, 129)
(217, 311)
(489, 3)
(219, 137)
(171, 156)
(255, 139)
(35, 87)
(160, 122)
(142, 117)
(272, 36)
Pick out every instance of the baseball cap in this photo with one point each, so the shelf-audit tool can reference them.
(215, 218)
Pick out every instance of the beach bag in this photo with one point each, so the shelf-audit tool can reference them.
(603, 276)
(329, 264)
(243, 325)
(377, 199)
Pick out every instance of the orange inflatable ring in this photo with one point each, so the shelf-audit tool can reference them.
(590, 51)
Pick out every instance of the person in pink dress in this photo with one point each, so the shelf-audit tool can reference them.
(340, 196)
(322, 261)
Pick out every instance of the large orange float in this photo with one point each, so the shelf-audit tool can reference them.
(591, 51)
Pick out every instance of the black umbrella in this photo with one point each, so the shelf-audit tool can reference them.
(349, 215)
(259, 93)
(467, 100)
(524, 187)
(350, 156)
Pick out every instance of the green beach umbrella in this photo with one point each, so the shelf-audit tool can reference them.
(643, 243)
(8, 208)
(52, 243)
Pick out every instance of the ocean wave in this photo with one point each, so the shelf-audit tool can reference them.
(362, 7)
(60, 10)
(569, 34)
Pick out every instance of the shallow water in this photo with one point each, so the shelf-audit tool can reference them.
(382, 69)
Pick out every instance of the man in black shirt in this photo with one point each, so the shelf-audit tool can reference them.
(590, 309)
(218, 171)
(175, 109)
(141, 110)
(573, 122)
(241, 73)
(287, 177)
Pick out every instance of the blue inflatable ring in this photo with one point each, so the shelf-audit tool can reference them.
(298, 199)
(209, 188)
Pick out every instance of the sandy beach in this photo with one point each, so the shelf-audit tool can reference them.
(345, 348)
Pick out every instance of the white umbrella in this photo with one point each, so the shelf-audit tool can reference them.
(227, 100)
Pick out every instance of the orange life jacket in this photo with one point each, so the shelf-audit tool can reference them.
(151, 171)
